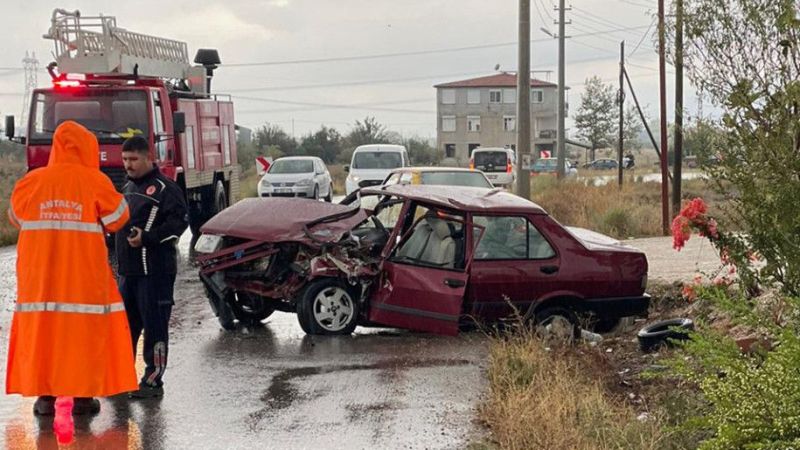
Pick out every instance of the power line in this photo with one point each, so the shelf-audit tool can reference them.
(350, 106)
(350, 83)
(642, 39)
(539, 12)
(332, 106)
(412, 53)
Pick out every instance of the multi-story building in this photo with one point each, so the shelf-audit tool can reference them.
(482, 112)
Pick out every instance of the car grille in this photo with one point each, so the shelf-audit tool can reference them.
(117, 176)
(286, 184)
(285, 194)
(366, 183)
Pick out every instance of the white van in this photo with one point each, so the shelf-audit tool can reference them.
(371, 164)
(498, 164)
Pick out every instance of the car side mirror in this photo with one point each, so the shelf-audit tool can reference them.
(178, 122)
(347, 168)
(10, 127)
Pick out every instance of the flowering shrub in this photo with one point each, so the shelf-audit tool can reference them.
(733, 251)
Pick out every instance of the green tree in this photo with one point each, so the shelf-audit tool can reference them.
(325, 143)
(594, 119)
(632, 127)
(421, 152)
(271, 135)
(367, 132)
(759, 91)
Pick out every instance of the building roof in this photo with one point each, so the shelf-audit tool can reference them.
(503, 79)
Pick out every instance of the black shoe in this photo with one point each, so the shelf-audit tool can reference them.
(147, 391)
(86, 405)
(45, 406)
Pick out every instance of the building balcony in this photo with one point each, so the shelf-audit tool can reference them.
(548, 134)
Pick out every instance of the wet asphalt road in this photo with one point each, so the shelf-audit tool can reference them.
(275, 387)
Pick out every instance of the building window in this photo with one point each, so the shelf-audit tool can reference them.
(449, 150)
(473, 96)
(509, 95)
(537, 96)
(448, 96)
(510, 123)
(448, 123)
(495, 96)
(472, 147)
(473, 123)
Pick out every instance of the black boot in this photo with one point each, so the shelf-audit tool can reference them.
(45, 406)
(86, 405)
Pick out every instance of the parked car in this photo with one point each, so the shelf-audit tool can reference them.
(499, 164)
(602, 164)
(445, 176)
(550, 166)
(371, 164)
(297, 176)
(427, 258)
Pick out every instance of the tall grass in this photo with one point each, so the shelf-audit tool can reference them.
(10, 171)
(553, 398)
(632, 211)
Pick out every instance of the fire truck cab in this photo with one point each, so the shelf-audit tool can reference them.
(120, 84)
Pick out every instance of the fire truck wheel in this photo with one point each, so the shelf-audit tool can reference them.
(220, 199)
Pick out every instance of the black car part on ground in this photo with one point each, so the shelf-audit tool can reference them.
(664, 332)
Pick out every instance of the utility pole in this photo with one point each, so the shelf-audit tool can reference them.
(31, 66)
(562, 110)
(524, 100)
(662, 88)
(676, 171)
(621, 101)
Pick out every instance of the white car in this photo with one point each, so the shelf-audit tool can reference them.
(371, 164)
(297, 176)
(498, 164)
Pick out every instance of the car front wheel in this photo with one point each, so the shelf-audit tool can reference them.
(327, 306)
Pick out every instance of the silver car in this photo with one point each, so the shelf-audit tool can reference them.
(297, 176)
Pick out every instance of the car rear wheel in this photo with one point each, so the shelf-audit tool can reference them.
(557, 324)
(327, 306)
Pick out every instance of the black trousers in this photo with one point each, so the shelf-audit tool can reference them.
(148, 303)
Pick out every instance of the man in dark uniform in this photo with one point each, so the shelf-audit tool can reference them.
(147, 254)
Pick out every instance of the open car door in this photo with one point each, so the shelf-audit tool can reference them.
(423, 282)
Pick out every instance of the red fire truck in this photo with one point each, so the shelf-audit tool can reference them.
(118, 83)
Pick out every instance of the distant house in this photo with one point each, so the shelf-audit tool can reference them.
(482, 112)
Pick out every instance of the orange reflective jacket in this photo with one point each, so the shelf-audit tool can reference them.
(69, 335)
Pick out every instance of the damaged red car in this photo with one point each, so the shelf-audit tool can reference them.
(428, 258)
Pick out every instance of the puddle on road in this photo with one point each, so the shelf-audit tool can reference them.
(282, 393)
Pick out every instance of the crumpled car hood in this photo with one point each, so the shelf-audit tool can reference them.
(283, 219)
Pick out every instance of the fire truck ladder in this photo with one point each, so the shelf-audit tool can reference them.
(95, 45)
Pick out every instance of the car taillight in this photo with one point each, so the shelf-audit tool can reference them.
(508, 165)
(472, 163)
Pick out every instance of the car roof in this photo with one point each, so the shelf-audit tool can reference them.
(298, 158)
(433, 169)
(380, 148)
(491, 149)
(472, 199)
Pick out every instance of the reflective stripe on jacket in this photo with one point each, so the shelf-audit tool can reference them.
(69, 334)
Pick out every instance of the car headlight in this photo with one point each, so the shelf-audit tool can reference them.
(305, 182)
(265, 183)
(355, 178)
(208, 243)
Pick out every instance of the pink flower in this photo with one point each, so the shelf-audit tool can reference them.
(680, 232)
(712, 229)
(694, 209)
(689, 293)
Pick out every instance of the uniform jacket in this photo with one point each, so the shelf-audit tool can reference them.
(69, 334)
(157, 207)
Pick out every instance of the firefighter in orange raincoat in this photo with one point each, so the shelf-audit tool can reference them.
(69, 335)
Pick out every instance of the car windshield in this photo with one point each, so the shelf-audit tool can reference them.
(112, 115)
(292, 166)
(496, 159)
(473, 179)
(377, 160)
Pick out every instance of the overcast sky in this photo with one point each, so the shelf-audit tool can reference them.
(397, 89)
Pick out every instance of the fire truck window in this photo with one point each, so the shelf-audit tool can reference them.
(128, 117)
(87, 113)
(158, 124)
